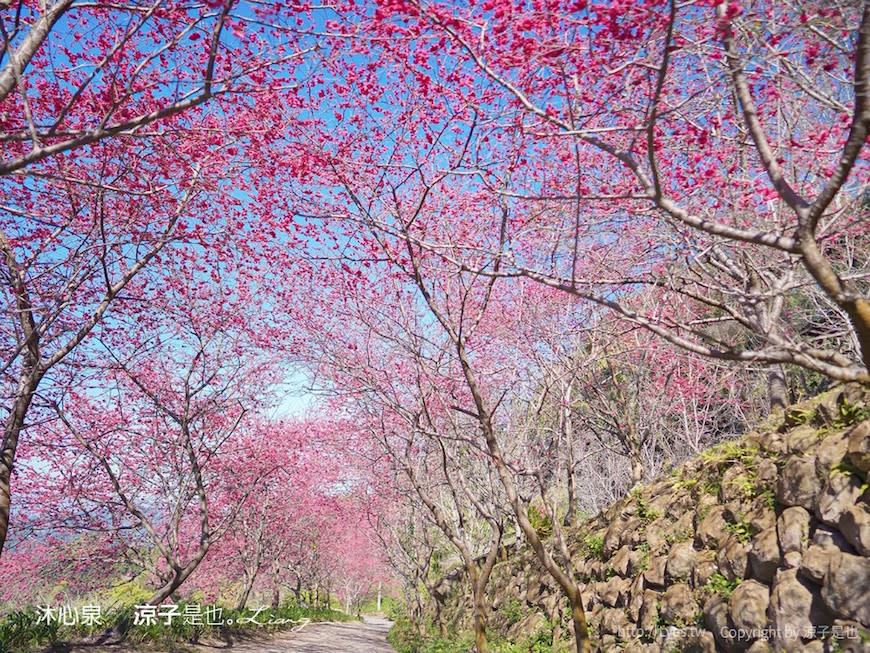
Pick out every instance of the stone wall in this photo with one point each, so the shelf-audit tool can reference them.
(758, 544)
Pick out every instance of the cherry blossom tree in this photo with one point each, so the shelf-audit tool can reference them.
(121, 125)
(412, 544)
(158, 429)
(711, 154)
(394, 382)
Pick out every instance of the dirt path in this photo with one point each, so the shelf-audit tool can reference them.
(348, 637)
(351, 637)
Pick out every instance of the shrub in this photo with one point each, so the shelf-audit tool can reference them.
(22, 630)
(541, 522)
(593, 545)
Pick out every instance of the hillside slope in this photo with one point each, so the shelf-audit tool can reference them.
(761, 543)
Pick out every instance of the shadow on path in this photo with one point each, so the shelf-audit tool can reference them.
(348, 637)
(345, 637)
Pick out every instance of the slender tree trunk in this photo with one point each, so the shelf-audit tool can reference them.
(571, 513)
(842, 293)
(439, 618)
(578, 618)
(777, 391)
(480, 611)
(479, 574)
(166, 591)
(178, 577)
(27, 385)
(246, 593)
(568, 434)
(418, 613)
(564, 579)
(637, 471)
(276, 589)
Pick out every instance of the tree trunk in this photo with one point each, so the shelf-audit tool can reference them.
(246, 593)
(276, 589)
(568, 434)
(565, 580)
(480, 610)
(777, 390)
(842, 293)
(418, 614)
(178, 577)
(637, 471)
(479, 576)
(27, 385)
(570, 514)
(166, 591)
(439, 618)
(578, 617)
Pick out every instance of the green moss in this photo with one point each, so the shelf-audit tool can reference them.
(747, 486)
(799, 416)
(680, 536)
(686, 483)
(129, 593)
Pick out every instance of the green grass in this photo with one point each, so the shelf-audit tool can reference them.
(512, 610)
(769, 498)
(643, 510)
(718, 584)
(405, 638)
(541, 522)
(732, 451)
(742, 530)
(849, 414)
(370, 605)
(593, 545)
(643, 562)
(21, 631)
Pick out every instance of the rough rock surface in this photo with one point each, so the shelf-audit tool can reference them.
(760, 544)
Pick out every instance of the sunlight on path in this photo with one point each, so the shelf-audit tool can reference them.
(368, 637)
